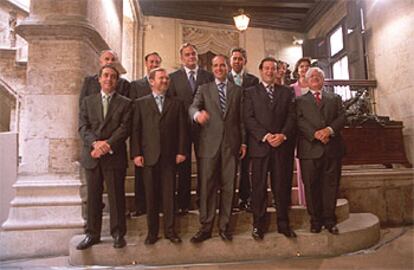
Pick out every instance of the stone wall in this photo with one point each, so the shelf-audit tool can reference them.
(390, 56)
(165, 36)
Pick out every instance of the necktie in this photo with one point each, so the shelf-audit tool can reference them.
(269, 90)
(222, 96)
(192, 81)
(105, 104)
(238, 79)
(318, 98)
(160, 102)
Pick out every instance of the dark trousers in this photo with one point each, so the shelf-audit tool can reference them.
(115, 183)
(159, 183)
(139, 190)
(184, 182)
(276, 164)
(217, 173)
(321, 179)
(244, 184)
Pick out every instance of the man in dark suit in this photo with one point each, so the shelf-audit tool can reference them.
(104, 123)
(140, 88)
(91, 83)
(184, 84)
(217, 108)
(270, 120)
(158, 144)
(237, 75)
(320, 119)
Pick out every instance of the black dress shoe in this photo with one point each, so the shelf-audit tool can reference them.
(182, 211)
(225, 236)
(288, 232)
(138, 213)
(332, 229)
(150, 240)
(257, 234)
(316, 228)
(87, 242)
(119, 242)
(173, 238)
(200, 237)
(245, 206)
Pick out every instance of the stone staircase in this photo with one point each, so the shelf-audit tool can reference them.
(357, 231)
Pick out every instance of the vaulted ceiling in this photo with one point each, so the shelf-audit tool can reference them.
(292, 15)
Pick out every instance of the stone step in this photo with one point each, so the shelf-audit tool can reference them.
(358, 232)
(240, 221)
(130, 200)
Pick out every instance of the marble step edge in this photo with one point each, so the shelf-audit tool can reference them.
(240, 221)
(360, 231)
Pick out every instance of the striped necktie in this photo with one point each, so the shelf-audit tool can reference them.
(269, 90)
(222, 96)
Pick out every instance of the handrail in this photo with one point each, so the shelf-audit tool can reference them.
(351, 83)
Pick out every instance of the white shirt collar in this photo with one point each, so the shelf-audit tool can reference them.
(234, 73)
(187, 71)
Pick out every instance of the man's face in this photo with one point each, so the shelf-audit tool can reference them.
(219, 68)
(237, 61)
(315, 81)
(107, 58)
(160, 83)
(152, 62)
(268, 72)
(108, 80)
(189, 57)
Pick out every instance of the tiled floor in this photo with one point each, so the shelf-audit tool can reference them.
(395, 251)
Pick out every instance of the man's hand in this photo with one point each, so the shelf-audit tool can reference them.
(139, 161)
(203, 117)
(102, 146)
(243, 151)
(96, 154)
(275, 139)
(179, 159)
(323, 135)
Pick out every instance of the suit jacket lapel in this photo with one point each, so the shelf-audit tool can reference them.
(264, 95)
(229, 96)
(113, 105)
(215, 96)
(153, 105)
(166, 105)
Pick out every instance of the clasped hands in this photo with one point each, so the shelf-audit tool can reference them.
(323, 135)
(139, 160)
(100, 148)
(275, 139)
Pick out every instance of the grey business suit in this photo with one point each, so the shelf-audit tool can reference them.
(218, 151)
(180, 88)
(320, 163)
(244, 184)
(111, 167)
(159, 137)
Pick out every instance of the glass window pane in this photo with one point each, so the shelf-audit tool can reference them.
(340, 72)
(336, 41)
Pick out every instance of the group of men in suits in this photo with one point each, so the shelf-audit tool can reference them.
(223, 115)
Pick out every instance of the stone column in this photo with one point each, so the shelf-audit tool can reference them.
(47, 209)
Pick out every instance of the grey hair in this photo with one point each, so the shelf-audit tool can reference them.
(310, 70)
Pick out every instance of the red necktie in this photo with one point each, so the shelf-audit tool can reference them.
(318, 98)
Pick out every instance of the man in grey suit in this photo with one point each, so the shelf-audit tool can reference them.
(320, 119)
(104, 124)
(238, 75)
(270, 121)
(140, 88)
(91, 84)
(158, 144)
(217, 109)
(184, 84)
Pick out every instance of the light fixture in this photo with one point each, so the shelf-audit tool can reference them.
(297, 41)
(241, 21)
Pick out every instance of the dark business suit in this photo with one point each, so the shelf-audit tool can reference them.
(180, 88)
(111, 167)
(159, 137)
(138, 89)
(320, 163)
(220, 140)
(261, 117)
(244, 184)
(91, 86)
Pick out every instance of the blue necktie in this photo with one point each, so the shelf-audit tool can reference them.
(222, 96)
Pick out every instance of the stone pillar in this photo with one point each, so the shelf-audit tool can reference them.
(47, 209)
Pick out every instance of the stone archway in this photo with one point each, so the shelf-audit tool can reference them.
(9, 108)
